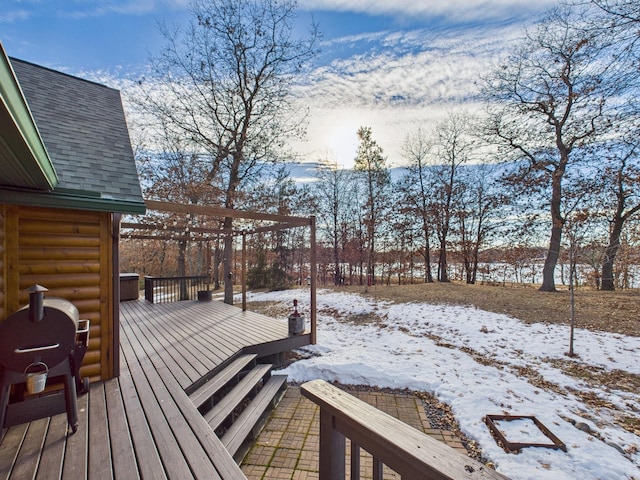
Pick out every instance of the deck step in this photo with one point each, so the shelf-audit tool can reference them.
(245, 425)
(229, 373)
(225, 407)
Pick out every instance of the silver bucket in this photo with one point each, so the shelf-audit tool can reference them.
(296, 324)
(35, 376)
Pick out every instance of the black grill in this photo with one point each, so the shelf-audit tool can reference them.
(45, 340)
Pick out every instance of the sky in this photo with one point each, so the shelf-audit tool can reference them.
(392, 65)
(473, 360)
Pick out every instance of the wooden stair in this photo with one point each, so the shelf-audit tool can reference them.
(237, 400)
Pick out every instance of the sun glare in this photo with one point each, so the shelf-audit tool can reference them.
(342, 142)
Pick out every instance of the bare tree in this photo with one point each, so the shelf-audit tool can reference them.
(617, 23)
(416, 149)
(621, 198)
(334, 192)
(452, 148)
(620, 23)
(175, 172)
(225, 86)
(370, 163)
(546, 101)
(476, 215)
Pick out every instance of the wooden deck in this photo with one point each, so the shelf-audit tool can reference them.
(142, 424)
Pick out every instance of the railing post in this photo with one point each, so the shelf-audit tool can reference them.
(148, 289)
(355, 461)
(332, 449)
(244, 272)
(378, 468)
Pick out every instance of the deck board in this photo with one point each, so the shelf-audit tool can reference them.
(76, 450)
(100, 458)
(143, 424)
(51, 460)
(123, 456)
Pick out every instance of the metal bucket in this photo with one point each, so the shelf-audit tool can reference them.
(296, 324)
(37, 378)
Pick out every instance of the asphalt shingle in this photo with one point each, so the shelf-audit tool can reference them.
(83, 127)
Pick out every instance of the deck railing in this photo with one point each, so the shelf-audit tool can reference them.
(174, 289)
(402, 448)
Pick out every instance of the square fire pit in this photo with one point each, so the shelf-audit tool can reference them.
(540, 433)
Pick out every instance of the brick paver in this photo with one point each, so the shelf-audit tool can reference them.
(287, 447)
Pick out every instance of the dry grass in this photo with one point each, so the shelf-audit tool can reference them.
(616, 312)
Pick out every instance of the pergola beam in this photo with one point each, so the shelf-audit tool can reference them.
(211, 231)
(219, 212)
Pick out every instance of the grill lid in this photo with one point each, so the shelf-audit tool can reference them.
(29, 336)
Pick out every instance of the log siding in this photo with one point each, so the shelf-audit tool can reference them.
(69, 252)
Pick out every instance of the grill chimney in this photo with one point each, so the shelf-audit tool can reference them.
(36, 302)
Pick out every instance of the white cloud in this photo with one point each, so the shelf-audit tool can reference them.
(408, 79)
(457, 10)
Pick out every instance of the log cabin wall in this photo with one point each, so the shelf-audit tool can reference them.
(3, 270)
(68, 252)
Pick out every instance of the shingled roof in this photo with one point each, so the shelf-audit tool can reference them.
(84, 131)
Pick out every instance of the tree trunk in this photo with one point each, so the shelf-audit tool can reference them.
(557, 225)
(548, 280)
(442, 264)
(610, 253)
(428, 276)
(337, 274)
(476, 254)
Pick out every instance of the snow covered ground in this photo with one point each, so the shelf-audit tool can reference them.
(482, 363)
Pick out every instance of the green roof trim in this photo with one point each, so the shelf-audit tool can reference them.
(24, 161)
(71, 199)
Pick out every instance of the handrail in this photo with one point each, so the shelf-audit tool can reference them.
(173, 289)
(391, 442)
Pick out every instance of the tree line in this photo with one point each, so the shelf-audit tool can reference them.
(549, 170)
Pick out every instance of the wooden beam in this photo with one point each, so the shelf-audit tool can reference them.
(222, 212)
(212, 231)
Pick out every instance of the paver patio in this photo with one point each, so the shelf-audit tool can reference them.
(287, 447)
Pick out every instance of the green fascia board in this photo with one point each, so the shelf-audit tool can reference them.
(71, 199)
(27, 161)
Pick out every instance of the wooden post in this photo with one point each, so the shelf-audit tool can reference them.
(114, 326)
(378, 468)
(332, 449)
(314, 274)
(244, 272)
(355, 461)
